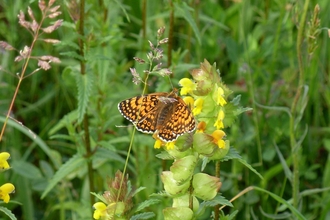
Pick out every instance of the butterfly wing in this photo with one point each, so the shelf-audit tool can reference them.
(181, 121)
(141, 111)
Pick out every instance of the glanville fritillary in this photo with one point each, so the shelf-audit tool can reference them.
(164, 114)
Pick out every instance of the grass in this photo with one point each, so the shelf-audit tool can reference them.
(272, 53)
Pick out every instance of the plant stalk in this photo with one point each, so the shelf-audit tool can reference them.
(295, 148)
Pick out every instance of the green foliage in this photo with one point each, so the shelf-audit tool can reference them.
(8, 213)
(254, 45)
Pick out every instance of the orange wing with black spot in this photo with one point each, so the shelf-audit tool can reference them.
(163, 113)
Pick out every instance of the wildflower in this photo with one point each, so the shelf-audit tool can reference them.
(205, 186)
(198, 105)
(178, 213)
(219, 97)
(173, 187)
(189, 101)
(4, 156)
(158, 144)
(183, 168)
(218, 135)
(188, 86)
(170, 145)
(100, 210)
(5, 190)
(201, 127)
(219, 122)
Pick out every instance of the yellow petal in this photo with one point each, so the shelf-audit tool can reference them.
(5, 190)
(220, 97)
(198, 106)
(4, 156)
(218, 134)
(100, 210)
(187, 86)
(158, 144)
(170, 145)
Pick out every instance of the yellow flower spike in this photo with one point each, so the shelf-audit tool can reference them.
(201, 127)
(5, 190)
(158, 144)
(4, 156)
(170, 145)
(218, 135)
(198, 106)
(220, 97)
(219, 122)
(187, 86)
(100, 210)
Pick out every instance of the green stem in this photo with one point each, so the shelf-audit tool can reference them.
(21, 76)
(170, 36)
(89, 152)
(295, 149)
(217, 174)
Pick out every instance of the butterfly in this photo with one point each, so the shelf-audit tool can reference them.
(164, 114)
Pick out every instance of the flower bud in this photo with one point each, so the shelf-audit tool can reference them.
(171, 186)
(183, 168)
(178, 213)
(176, 153)
(220, 153)
(205, 186)
(203, 143)
(183, 201)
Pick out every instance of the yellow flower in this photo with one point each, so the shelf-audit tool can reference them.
(187, 86)
(220, 97)
(4, 156)
(218, 135)
(170, 145)
(158, 144)
(201, 127)
(5, 190)
(100, 210)
(189, 101)
(219, 122)
(198, 106)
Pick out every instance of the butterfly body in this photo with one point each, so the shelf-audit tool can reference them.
(164, 114)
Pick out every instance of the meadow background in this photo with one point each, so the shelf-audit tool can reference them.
(266, 52)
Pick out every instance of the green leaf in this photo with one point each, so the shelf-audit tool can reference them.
(100, 197)
(275, 108)
(250, 167)
(72, 54)
(84, 84)
(35, 138)
(66, 121)
(26, 169)
(144, 215)
(138, 190)
(164, 155)
(233, 154)
(147, 203)
(122, 7)
(286, 169)
(76, 162)
(296, 213)
(218, 200)
(184, 10)
(8, 213)
(284, 215)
